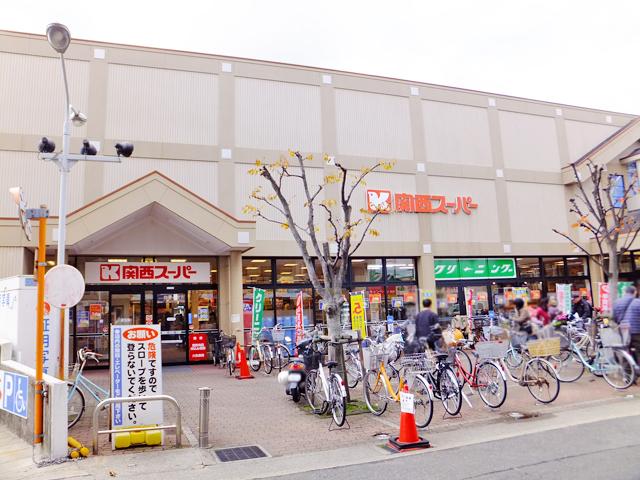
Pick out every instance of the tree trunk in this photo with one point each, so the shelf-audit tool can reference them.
(614, 272)
(332, 314)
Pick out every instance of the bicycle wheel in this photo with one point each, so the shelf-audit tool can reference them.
(450, 393)
(619, 370)
(422, 401)
(231, 362)
(514, 358)
(464, 363)
(283, 356)
(315, 393)
(568, 369)
(338, 400)
(354, 373)
(75, 404)
(394, 378)
(492, 387)
(267, 351)
(541, 380)
(253, 358)
(375, 393)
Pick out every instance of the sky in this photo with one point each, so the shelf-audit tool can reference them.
(576, 52)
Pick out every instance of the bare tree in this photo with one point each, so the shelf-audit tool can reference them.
(606, 219)
(346, 229)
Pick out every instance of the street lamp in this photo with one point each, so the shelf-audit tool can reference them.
(59, 38)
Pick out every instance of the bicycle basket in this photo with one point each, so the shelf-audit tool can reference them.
(519, 338)
(615, 337)
(491, 349)
(311, 360)
(278, 335)
(544, 348)
(417, 362)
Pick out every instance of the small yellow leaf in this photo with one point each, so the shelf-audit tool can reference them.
(285, 226)
(374, 233)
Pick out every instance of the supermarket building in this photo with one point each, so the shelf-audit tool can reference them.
(479, 183)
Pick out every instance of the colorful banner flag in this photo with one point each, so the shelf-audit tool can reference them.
(358, 316)
(256, 313)
(563, 294)
(299, 318)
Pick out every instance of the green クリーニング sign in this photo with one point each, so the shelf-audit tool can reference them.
(256, 313)
(474, 268)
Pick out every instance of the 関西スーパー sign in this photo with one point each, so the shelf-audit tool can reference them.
(136, 370)
(137, 273)
(472, 268)
(14, 393)
(383, 201)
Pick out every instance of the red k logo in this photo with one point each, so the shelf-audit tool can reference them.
(379, 201)
(109, 272)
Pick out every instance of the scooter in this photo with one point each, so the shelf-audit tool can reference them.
(295, 376)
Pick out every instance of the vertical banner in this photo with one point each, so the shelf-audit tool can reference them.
(358, 317)
(136, 370)
(256, 313)
(603, 296)
(563, 293)
(299, 318)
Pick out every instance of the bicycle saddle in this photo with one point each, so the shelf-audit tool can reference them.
(331, 364)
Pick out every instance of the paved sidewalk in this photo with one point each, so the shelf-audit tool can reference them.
(192, 463)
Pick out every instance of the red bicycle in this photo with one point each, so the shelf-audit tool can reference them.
(483, 375)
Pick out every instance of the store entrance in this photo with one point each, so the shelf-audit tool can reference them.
(180, 310)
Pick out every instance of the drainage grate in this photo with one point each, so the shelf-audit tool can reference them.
(239, 453)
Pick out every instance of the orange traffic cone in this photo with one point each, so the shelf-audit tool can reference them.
(409, 438)
(244, 366)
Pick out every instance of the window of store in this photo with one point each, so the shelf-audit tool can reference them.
(528, 267)
(401, 270)
(257, 271)
(366, 270)
(291, 270)
(576, 266)
(553, 266)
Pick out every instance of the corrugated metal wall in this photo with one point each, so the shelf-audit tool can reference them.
(155, 105)
(373, 125)
(277, 115)
(11, 259)
(39, 180)
(32, 94)
(199, 177)
(457, 134)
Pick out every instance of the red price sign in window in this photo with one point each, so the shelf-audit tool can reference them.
(197, 347)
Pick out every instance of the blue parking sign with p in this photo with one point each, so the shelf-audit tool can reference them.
(14, 393)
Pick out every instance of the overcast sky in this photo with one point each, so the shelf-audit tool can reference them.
(578, 52)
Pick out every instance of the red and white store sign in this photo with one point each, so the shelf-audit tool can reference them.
(128, 273)
(384, 201)
(197, 347)
(605, 299)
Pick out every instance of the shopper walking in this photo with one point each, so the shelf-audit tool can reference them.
(626, 312)
(522, 318)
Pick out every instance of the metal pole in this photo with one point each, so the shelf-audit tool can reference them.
(38, 409)
(203, 417)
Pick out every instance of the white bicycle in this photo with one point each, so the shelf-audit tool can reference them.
(326, 392)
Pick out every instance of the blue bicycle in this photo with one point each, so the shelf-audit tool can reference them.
(76, 397)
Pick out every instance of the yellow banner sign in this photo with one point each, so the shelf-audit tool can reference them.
(358, 316)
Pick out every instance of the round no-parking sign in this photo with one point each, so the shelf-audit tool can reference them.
(63, 286)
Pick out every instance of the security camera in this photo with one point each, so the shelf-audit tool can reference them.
(124, 149)
(88, 149)
(46, 145)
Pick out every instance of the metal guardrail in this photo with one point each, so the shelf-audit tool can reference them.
(109, 401)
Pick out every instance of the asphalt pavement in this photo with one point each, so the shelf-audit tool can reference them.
(602, 450)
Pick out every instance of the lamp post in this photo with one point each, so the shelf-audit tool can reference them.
(59, 38)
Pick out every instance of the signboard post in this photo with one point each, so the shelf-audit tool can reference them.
(14, 393)
(136, 370)
(358, 317)
(257, 311)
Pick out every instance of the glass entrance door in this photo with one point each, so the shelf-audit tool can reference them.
(92, 324)
(126, 309)
(171, 315)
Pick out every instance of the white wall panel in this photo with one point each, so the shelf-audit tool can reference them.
(199, 177)
(583, 136)
(456, 134)
(277, 116)
(394, 227)
(11, 259)
(161, 105)
(39, 180)
(534, 210)
(529, 142)
(481, 226)
(291, 187)
(373, 125)
(32, 94)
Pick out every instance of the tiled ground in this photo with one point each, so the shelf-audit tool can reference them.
(257, 411)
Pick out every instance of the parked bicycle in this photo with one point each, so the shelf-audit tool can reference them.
(281, 353)
(484, 374)
(611, 360)
(75, 393)
(261, 352)
(326, 392)
(228, 344)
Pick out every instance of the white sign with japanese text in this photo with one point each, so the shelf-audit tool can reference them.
(406, 403)
(136, 370)
(158, 272)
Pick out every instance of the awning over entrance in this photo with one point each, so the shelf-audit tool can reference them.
(155, 216)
